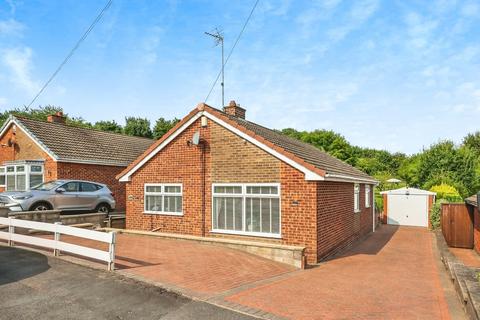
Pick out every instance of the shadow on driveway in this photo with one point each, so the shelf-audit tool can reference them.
(383, 235)
(17, 264)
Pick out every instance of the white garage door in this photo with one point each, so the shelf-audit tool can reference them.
(408, 210)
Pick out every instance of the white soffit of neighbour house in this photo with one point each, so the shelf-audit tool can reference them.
(309, 175)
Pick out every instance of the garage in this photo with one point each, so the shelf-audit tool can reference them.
(407, 206)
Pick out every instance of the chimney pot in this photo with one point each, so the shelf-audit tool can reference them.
(235, 110)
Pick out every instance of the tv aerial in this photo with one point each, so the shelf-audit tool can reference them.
(217, 35)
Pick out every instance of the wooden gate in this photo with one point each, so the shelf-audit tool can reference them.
(457, 225)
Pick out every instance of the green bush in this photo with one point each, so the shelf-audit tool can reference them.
(447, 192)
(436, 212)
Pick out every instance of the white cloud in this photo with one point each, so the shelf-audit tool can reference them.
(420, 29)
(470, 9)
(19, 63)
(12, 5)
(150, 45)
(11, 27)
(360, 12)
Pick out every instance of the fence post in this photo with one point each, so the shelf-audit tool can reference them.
(111, 249)
(56, 237)
(11, 231)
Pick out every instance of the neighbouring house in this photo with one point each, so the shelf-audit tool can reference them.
(33, 151)
(407, 207)
(215, 174)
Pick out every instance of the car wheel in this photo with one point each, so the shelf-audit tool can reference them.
(42, 206)
(103, 208)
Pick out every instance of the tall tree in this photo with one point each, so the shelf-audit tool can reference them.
(162, 126)
(109, 126)
(139, 127)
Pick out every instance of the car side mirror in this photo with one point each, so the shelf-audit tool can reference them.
(60, 190)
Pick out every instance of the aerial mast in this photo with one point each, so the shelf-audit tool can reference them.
(218, 36)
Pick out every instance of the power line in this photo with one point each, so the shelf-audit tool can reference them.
(84, 36)
(231, 50)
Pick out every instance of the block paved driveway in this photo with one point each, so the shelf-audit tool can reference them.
(394, 274)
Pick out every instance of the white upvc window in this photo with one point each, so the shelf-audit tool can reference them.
(367, 196)
(2, 176)
(163, 198)
(21, 177)
(356, 197)
(246, 209)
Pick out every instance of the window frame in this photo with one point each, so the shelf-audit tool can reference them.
(244, 195)
(368, 195)
(162, 193)
(356, 193)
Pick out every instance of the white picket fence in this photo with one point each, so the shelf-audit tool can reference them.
(56, 244)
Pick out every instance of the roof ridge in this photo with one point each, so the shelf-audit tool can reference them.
(80, 128)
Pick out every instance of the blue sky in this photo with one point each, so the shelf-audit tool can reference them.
(395, 75)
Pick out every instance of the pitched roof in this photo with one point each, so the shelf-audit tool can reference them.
(307, 156)
(310, 154)
(73, 144)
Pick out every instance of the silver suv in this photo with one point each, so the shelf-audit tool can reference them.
(64, 195)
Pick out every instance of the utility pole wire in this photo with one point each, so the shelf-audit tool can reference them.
(84, 36)
(231, 50)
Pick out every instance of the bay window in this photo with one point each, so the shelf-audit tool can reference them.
(250, 209)
(163, 199)
(21, 177)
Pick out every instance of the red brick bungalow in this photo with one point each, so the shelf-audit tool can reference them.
(33, 151)
(216, 174)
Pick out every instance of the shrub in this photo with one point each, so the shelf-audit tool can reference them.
(447, 192)
(436, 212)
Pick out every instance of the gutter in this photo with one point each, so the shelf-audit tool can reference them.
(344, 178)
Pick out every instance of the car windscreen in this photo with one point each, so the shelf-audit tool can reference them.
(47, 186)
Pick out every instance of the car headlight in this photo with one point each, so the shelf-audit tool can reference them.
(22, 197)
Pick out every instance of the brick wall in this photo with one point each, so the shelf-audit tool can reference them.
(97, 173)
(176, 163)
(338, 226)
(236, 160)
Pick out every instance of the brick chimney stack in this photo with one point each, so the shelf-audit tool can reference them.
(235, 110)
(57, 118)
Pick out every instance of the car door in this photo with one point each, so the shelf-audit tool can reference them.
(68, 200)
(88, 195)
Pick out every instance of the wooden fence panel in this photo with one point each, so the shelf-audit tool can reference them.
(457, 225)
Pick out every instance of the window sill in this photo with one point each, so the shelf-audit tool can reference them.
(178, 214)
(247, 234)
(357, 211)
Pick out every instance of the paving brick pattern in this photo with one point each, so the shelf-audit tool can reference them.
(391, 275)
